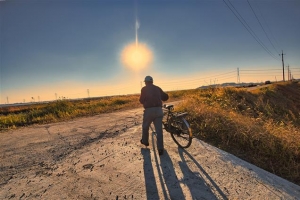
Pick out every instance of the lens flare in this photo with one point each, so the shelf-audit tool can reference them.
(136, 56)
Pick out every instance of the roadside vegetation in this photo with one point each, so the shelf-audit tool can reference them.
(61, 110)
(261, 126)
(41, 113)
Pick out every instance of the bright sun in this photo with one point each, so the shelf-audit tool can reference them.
(136, 56)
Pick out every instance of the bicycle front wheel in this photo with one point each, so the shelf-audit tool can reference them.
(181, 132)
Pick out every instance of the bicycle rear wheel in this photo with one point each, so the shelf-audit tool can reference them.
(181, 132)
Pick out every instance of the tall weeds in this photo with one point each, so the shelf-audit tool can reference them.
(260, 126)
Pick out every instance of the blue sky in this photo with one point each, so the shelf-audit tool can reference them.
(51, 49)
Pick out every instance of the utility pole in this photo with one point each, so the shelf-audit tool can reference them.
(238, 75)
(7, 100)
(291, 77)
(288, 72)
(282, 65)
(88, 93)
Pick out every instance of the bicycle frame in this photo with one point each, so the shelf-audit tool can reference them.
(176, 124)
(169, 114)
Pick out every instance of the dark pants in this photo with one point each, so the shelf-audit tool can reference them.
(154, 115)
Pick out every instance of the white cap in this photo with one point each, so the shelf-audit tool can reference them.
(148, 79)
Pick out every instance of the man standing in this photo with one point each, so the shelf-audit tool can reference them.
(151, 98)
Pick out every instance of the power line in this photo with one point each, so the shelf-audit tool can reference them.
(269, 30)
(260, 70)
(229, 77)
(199, 79)
(261, 25)
(248, 28)
(249, 74)
(252, 74)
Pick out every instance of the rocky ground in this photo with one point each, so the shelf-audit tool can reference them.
(100, 157)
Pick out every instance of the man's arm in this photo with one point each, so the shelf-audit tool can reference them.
(164, 96)
(142, 96)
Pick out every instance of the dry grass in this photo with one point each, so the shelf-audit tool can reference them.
(12, 117)
(260, 126)
(18, 116)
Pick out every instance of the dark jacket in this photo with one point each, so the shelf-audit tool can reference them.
(152, 96)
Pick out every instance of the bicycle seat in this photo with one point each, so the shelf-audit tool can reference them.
(181, 114)
(168, 106)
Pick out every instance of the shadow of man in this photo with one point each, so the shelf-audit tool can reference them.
(151, 187)
(167, 176)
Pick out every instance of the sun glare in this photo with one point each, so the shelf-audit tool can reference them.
(136, 56)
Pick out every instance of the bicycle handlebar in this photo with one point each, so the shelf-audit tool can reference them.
(169, 107)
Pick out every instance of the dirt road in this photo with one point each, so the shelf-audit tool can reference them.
(100, 157)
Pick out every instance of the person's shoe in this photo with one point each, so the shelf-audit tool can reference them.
(146, 144)
(161, 152)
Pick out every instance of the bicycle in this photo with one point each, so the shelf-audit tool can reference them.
(176, 124)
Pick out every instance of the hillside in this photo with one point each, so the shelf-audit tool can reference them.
(261, 126)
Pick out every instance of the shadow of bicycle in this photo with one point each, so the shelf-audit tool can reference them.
(198, 180)
(170, 183)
